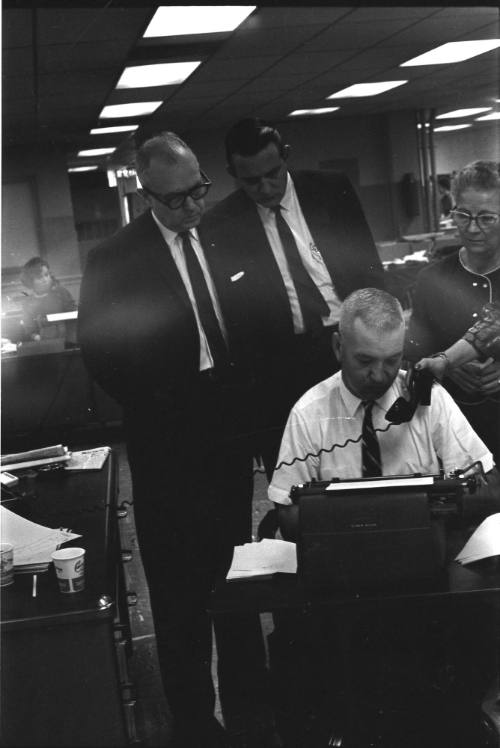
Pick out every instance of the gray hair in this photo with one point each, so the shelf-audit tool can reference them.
(166, 145)
(478, 175)
(376, 308)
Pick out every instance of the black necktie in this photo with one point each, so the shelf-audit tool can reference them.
(312, 304)
(371, 463)
(204, 302)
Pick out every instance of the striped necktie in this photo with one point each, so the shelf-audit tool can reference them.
(312, 304)
(204, 302)
(371, 462)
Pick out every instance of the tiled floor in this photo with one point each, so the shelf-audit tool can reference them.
(151, 707)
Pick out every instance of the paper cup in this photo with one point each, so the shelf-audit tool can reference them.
(69, 564)
(6, 564)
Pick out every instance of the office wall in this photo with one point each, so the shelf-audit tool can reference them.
(50, 209)
(376, 150)
(457, 148)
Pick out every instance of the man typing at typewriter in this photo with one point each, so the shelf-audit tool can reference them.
(338, 429)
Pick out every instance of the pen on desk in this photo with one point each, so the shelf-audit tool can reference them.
(33, 593)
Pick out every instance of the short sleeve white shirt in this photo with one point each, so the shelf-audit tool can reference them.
(437, 436)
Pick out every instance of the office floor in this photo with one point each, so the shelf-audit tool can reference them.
(152, 717)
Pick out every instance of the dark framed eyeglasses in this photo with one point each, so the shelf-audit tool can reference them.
(484, 221)
(176, 200)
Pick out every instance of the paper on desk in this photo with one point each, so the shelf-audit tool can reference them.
(483, 543)
(269, 556)
(33, 544)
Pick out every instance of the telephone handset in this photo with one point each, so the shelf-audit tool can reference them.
(419, 388)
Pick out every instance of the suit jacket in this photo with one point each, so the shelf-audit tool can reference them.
(137, 328)
(251, 289)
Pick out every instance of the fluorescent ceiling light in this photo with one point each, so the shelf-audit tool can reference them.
(116, 128)
(96, 152)
(83, 168)
(366, 89)
(463, 112)
(453, 52)
(161, 74)
(319, 110)
(177, 20)
(488, 117)
(136, 109)
(449, 128)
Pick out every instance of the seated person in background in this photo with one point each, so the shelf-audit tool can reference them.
(338, 429)
(445, 196)
(482, 341)
(47, 296)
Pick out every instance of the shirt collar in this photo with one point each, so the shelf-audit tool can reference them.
(169, 235)
(286, 200)
(352, 403)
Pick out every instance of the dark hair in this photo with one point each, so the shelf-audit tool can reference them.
(444, 181)
(480, 175)
(250, 136)
(32, 270)
(166, 145)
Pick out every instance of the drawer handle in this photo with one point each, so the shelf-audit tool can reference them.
(121, 513)
(127, 556)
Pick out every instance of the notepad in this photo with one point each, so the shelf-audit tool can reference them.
(257, 560)
(33, 543)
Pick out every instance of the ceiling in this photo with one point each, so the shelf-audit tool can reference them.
(60, 67)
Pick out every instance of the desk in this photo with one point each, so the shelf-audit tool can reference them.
(64, 679)
(49, 397)
(361, 702)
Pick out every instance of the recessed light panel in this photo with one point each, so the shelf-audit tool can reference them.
(116, 128)
(178, 20)
(463, 112)
(161, 74)
(137, 109)
(83, 168)
(366, 89)
(449, 128)
(488, 117)
(96, 152)
(453, 52)
(319, 110)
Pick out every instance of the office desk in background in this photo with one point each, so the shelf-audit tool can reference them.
(48, 397)
(64, 675)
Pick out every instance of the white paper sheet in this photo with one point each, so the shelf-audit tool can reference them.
(33, 544)
(269, 556)
(483, 543)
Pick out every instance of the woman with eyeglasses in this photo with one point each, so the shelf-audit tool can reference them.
(456, 306)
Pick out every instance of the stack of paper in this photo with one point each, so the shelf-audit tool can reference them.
(484, 542)
(33, 544)
(88, 459)
(35, 458)
(262, 559)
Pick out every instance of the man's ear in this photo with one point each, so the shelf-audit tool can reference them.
(337, 344)
(285, 152)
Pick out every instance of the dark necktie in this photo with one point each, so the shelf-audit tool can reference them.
(371, 463)
(312, 304)
(204, 302)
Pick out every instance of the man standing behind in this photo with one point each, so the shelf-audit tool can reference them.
(153, 336)
(288, 248)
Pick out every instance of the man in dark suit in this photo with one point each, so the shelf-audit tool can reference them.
(153, 336)
(286, 248)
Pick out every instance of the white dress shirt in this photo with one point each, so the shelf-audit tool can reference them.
(310, 255)
(174, 244)
(328, 414)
